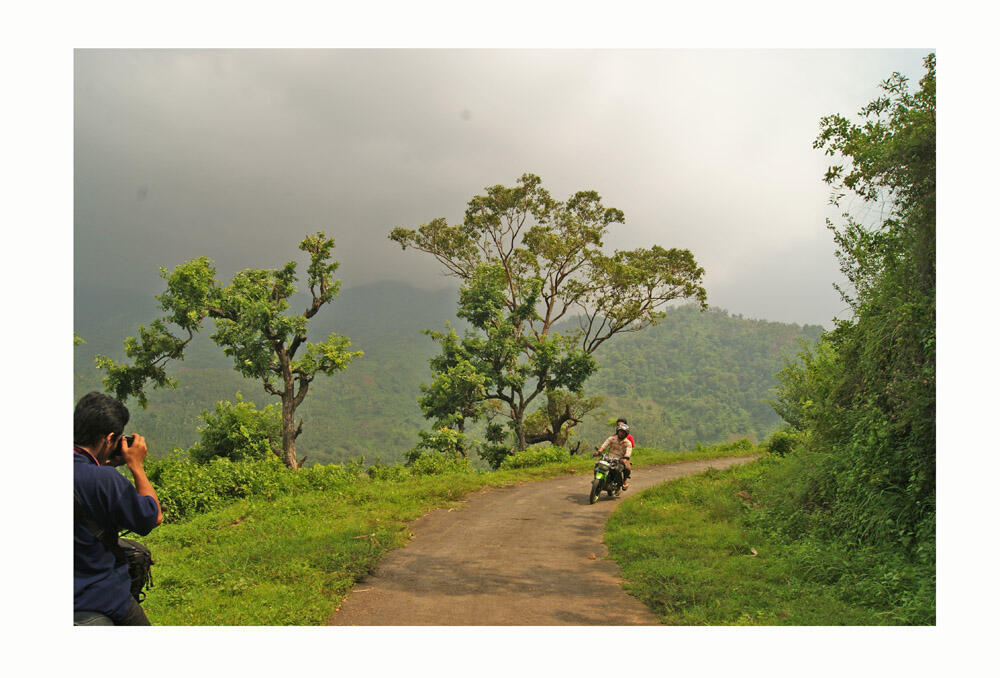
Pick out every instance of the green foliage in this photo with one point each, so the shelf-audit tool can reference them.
(438, 452)
(186, 488)
(392, 473)
(458, 391)
(238, 431)
(780, 443)
(537, 456)
(805, 396)
(430, 463)
(495, 448)
(446, 441)
(867, 395)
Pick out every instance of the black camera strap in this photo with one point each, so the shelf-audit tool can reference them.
(107, 537)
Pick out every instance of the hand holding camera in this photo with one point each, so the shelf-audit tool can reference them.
(132, 450)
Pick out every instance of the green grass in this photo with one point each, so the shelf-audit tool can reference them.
(697, 552)
(290, 560)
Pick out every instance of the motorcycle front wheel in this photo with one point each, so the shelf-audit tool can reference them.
(595, 490)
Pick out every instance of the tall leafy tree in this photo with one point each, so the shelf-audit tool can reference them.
(527, 262)
(252, 327)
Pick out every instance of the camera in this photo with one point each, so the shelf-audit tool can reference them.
(117, 459)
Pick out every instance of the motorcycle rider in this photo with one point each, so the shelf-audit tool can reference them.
(620, 447)
(621, 420)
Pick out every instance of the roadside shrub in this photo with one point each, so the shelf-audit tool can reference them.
(535, 457)
(781, 443)
(238, 431)
(391, 473)
(438, 463)
(446, 441)
(186, 488)
(327, 476)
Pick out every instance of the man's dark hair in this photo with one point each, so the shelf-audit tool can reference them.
(96, 415)
(621, 420)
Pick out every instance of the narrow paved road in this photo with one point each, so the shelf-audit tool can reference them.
(529, 554)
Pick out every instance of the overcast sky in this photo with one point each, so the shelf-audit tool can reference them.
(238, 154)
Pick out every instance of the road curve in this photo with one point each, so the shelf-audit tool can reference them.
(530, 554)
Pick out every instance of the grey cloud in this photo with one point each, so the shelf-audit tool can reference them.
(237, 154)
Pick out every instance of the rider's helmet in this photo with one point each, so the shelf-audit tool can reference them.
(622, 427)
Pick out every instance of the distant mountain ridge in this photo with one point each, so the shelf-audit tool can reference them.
(696, 377)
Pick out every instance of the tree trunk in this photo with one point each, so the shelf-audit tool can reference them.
(288, 431)
(461, 429)
(522, 441)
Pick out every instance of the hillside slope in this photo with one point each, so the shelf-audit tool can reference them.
(696, 377)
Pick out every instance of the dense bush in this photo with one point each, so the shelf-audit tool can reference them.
(238, 431)
(535, 457)
(780, 443)
(446, 441)
(438, 463)
(186, 488)
(389, 472)
(792, 496)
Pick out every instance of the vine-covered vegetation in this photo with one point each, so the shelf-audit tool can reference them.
(864, 399)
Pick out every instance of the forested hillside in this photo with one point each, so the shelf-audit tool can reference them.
(695, 377)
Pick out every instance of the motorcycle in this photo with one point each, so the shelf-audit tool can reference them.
(609, 474)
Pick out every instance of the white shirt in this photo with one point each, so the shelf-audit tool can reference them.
(618, 448)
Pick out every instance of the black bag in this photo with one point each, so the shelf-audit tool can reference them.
(140, 561)
(138, 558)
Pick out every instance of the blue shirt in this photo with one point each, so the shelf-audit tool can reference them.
(99, 583)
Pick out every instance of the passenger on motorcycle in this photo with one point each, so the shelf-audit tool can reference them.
(629, 436)
(620, 447)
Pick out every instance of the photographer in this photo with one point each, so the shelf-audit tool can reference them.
(101, 583)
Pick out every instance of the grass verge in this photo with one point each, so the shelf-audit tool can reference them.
(290, 560)
(697, 551)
